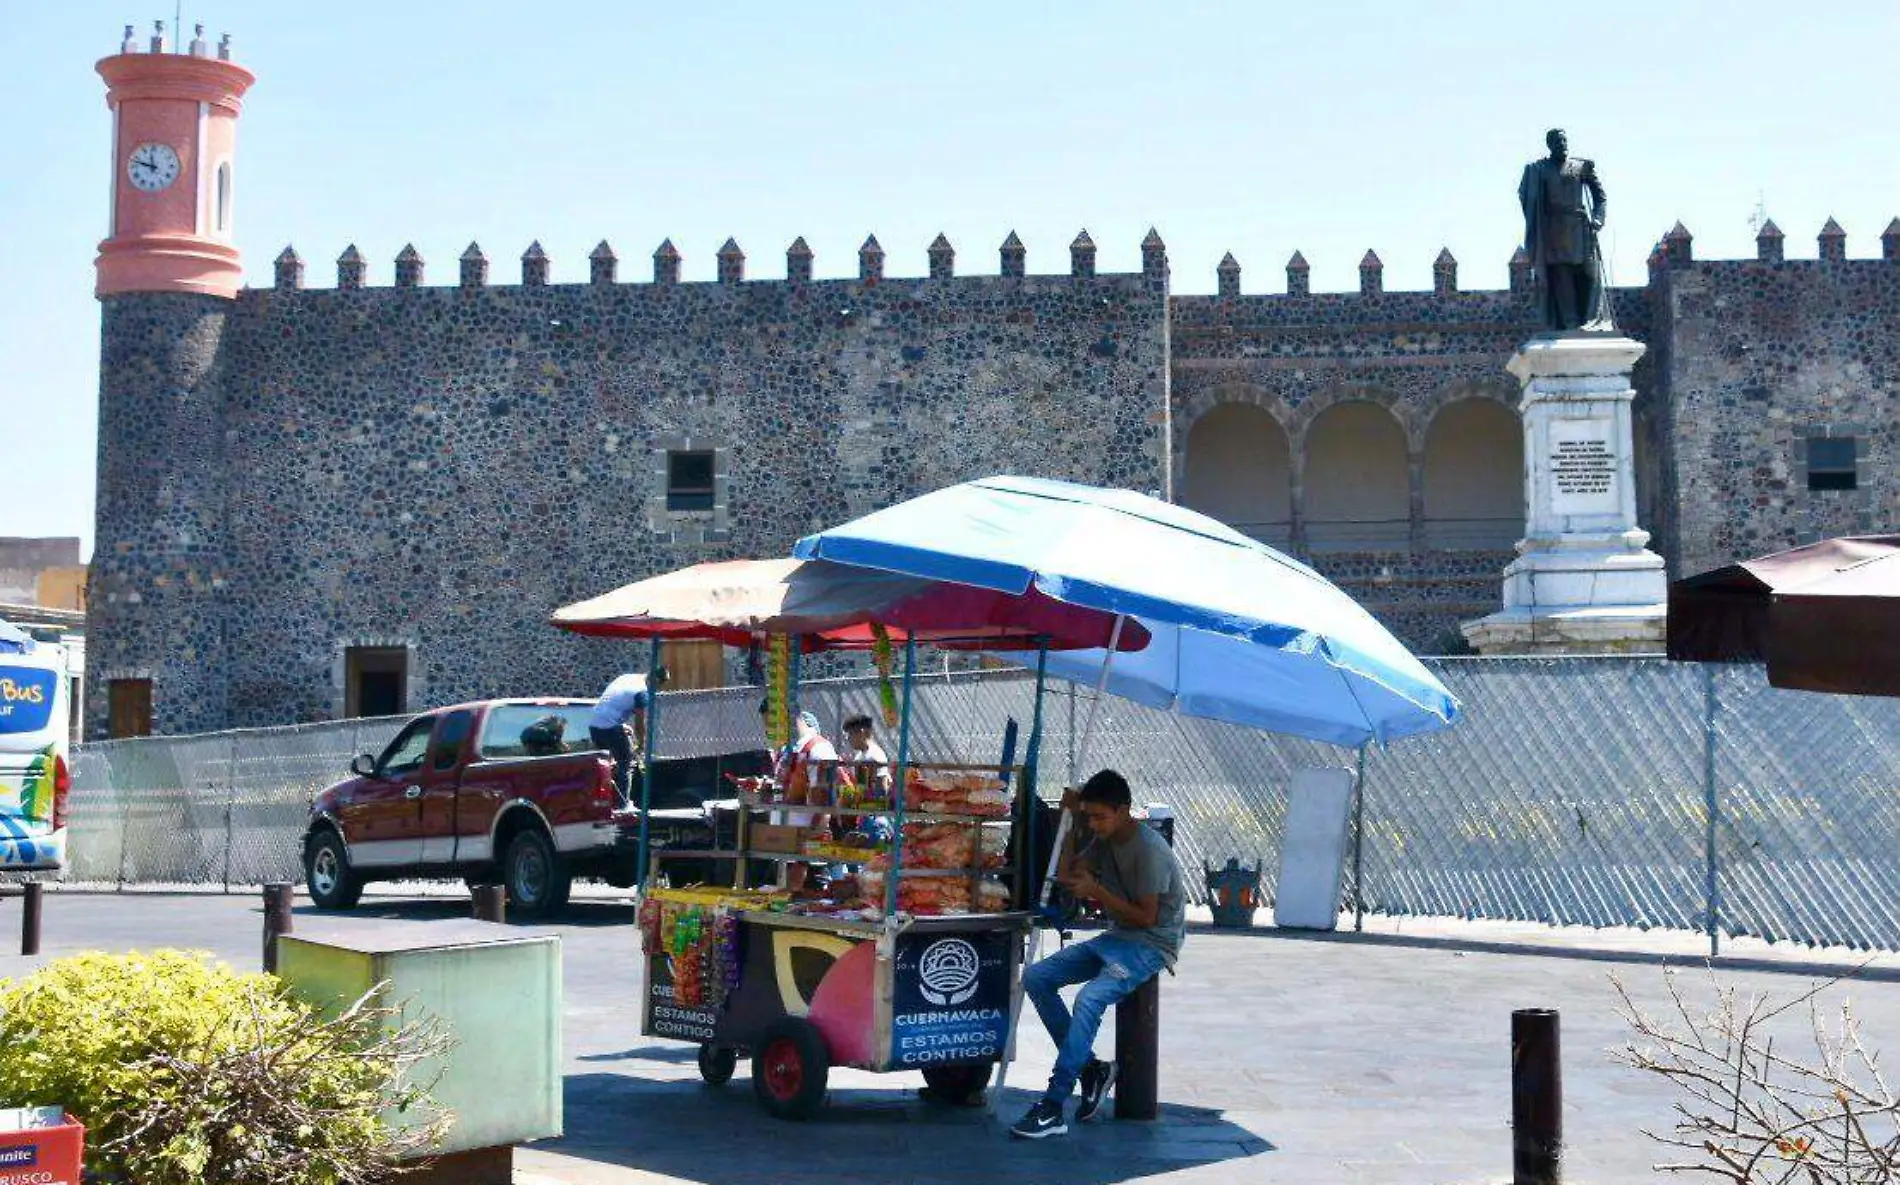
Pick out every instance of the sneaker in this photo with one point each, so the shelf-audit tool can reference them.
(1098, 1077)
(1043, 1120)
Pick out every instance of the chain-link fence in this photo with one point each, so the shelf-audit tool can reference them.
(1572, 791)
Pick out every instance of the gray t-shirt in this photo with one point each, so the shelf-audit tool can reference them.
(1140, 867)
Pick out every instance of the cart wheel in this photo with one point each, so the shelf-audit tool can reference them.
(716, 1063)
(959, 1086)
(789, 1065)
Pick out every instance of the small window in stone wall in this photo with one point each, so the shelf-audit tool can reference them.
(689, 479)
(1831, 463)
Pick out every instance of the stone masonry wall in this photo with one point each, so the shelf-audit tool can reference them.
(440, 468)
(157, 591)
(1298, 354)
(1762, 356)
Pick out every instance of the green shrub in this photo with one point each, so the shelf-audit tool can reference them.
(185, 1071)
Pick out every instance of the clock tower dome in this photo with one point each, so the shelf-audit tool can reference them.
(174, 139)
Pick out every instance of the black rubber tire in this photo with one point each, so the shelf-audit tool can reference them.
(537, 879)
(327, 874)
(716, 1064)
(957, 1086)
(790, 1063)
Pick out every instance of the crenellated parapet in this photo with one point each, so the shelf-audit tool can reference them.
(1674, 251)
(603, 264)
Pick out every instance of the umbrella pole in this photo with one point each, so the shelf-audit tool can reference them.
(646, 762)
(1025, 787)
(1712, 803)
(1359, 844)
(901, 790)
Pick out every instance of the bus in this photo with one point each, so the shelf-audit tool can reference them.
(35, 756)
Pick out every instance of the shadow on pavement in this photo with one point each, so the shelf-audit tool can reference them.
(1865, 969)
(681, 1128)
(423, 909)
(679, 1055)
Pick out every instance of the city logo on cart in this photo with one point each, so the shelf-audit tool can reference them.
(948, 972)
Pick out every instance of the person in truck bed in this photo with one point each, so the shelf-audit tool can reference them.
(625, 699)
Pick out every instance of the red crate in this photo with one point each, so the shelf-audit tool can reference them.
(43, 1155)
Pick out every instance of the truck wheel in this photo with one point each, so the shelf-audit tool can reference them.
(789, 1066)
(537, 878)
(959, 1086)
(716, 1063)
(333, 884)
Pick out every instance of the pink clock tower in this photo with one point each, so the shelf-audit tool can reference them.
(174, 140)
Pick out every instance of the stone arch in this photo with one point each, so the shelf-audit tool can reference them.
(1473, 477)
(1238, 467)
(1356, 480)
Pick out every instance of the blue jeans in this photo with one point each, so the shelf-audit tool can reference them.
(1109, 967)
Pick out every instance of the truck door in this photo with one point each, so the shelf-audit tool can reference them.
(439, 779)
(383, 821)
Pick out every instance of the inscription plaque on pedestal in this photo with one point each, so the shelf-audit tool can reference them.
(1583, 467)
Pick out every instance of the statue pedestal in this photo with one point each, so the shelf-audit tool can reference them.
(1584, 581)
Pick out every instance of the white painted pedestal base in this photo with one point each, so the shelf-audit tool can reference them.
(1584, 581)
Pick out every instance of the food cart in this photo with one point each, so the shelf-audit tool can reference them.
(912, 961)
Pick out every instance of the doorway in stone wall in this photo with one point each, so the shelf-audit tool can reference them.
(376, 681)
(128, 708)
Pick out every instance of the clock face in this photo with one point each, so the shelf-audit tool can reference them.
(152, 167)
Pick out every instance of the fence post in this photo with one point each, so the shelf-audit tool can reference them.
(1359, 844)
(125, 826)
(30, 919)
(277, 920)
(230, 794)
(1711, 805)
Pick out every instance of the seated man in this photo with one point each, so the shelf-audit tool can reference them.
(1129, 872)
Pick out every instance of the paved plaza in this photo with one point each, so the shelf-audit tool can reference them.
(1344, 1058)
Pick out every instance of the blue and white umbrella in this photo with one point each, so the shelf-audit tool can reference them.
(1240, 632)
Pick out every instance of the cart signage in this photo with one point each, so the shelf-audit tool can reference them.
(667, 1018)
(950, 998)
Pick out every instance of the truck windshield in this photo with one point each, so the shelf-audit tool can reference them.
(536, 730)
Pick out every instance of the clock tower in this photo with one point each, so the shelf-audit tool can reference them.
(168, 278)
(174, 139)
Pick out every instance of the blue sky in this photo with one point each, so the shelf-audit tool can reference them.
(1251, 127)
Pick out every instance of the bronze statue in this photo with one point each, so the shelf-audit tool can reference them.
(1564, 206)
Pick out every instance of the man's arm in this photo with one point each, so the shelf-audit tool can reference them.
(1599, 201)
(1138, 913)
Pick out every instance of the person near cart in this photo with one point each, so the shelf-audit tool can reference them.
(1129, 872)
(804, 772)
(622, 701)
(871, 771)
(867, 757)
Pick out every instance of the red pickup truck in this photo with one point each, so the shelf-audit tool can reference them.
(502, 789)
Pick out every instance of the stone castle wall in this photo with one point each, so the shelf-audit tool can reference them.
(1300, 353)
(300, 471)
(440, 468)
(1763, 356)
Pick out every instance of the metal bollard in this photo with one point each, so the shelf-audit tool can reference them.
(1138, 1053)
(1537, 1098)
(491, 902)
(277, 919)
(30, 920)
